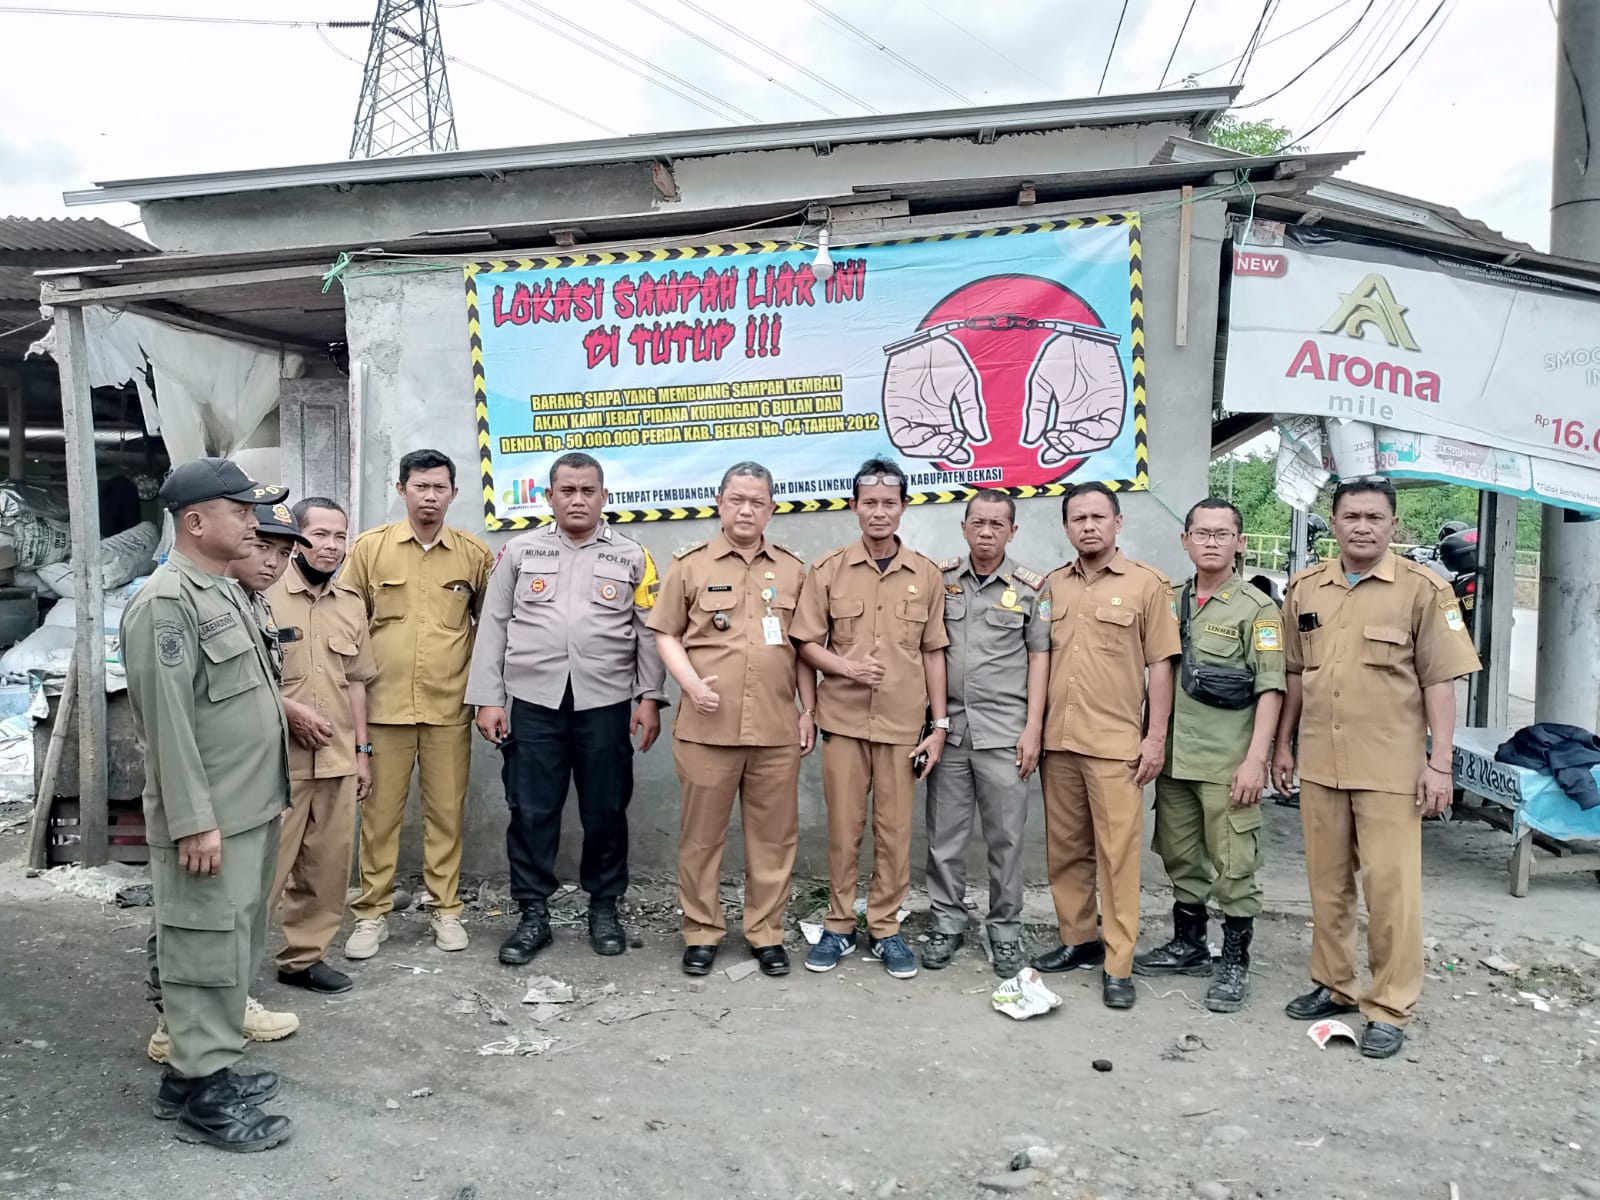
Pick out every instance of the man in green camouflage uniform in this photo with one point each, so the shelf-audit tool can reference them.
(1208, 795)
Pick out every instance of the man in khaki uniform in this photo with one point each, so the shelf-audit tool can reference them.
(1111, 620)
(423, 584)
(564, 674)
(327, 663)
(997, 666)
(208, 718)
(1374, 644)
(1208, 795)
(722, 626)
(877, 606)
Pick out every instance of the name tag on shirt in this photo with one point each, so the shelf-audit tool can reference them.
(772, 631)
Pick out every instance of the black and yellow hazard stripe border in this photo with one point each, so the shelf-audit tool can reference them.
(480, 396)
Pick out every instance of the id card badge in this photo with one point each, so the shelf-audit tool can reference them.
(771, 630)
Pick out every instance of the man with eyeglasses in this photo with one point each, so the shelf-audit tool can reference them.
(1208, 795)
(1374, 644)
(997, 641)
(1113, 622)
(870, 620)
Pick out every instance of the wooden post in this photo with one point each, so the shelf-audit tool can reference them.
(17, 416)
(44, 803)
(1489, 691)
(89, 653)
(1180, 333)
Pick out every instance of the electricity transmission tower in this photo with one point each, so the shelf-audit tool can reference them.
(405, 96)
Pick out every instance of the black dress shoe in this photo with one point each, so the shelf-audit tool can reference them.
(697, 960)
(531, 935)
(318, 977)
(605, 927)
(1316, 1004)
(1070, 958)
(218, 1114)
(257, 1088)
(1117, 993)
(773, 960)
(1382, 1040)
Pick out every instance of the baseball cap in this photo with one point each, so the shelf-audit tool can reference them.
(275, 520)
(202, 479)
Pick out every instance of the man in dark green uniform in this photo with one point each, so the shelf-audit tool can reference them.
(1208, 795)
(206, 709)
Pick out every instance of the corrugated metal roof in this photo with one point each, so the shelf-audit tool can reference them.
(1193, 106)
(67, 235)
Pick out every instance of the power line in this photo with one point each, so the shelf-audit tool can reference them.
(1251, 46)
(1269, 41)
(1175, 45)
(1369, 62)
(1339, 41)
(1386, 69)
(1406, 78)
(1111, 52)
(785, 60)
(644, 7)
(184, 18)
(1348, 75)
(992, 49)
(868, 39)
(590, 45)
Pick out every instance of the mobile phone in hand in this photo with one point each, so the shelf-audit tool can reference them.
(919, 765)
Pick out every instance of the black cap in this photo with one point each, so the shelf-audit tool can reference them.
(202, 479)
(275, 520)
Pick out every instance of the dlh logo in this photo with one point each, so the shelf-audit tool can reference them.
(524, 493)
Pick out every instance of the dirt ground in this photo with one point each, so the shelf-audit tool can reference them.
(849, 1084)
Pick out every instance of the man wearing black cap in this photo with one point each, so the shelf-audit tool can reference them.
(207, 713)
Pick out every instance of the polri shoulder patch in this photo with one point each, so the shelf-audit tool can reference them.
(689, 549)
(1032, 578)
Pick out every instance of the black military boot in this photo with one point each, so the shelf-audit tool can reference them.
(531, 935)
(605, 927)
(1230, 988)
(218, 1114)
(1187, 952)
(255, 1088)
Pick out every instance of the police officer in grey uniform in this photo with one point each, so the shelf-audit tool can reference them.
(207, 714)
(564, 673)
(997, 667)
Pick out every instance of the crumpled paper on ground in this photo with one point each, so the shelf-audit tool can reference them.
(1024, 995)
(1325, 1031)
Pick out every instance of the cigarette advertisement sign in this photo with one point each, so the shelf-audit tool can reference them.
(1009, 358)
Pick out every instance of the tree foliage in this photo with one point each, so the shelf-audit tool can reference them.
(1259, 138)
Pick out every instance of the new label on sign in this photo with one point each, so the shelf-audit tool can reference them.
(1409, 342)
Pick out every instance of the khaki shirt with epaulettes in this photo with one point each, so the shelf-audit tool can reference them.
(326, 647)
(1238, 626)
(993, 626)
(1105, 629)
(858, 611)
(205, 705)
(714, 602)
(1364, 653)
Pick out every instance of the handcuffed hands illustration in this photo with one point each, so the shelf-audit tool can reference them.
(1073, 399)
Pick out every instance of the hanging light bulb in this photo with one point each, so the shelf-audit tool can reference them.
(822, 264)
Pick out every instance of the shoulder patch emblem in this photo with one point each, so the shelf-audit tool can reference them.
(1044, 607)
(1268, 635)
(1032, 578)
(1452, 618)
(169, 645)
(689, 549)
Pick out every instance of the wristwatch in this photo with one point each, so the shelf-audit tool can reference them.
(364, 748)
(942, 723)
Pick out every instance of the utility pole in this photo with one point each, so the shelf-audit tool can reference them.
(1567, 689)
(405, 94)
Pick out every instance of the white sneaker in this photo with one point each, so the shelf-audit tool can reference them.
(365, 939)
(264, 1025)
(160, 1047)
(448, 932)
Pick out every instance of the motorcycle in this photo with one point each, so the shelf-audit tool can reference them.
(1454, 557)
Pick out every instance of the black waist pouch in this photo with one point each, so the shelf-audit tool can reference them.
(1219, 687)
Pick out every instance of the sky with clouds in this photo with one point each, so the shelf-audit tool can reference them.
(1463, 118)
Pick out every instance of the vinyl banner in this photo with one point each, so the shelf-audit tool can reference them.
(1336, 328)
(1009, 358)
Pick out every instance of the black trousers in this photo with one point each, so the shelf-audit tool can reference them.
(547, 749)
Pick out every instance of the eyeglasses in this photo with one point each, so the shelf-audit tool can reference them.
(1381, 482)
(886, 480)
(1209, 537)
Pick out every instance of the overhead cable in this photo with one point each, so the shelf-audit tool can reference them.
(1175, 45)
(1406, 78)
(990, 47)
(1251, 46)
(1347, 78)
(1320, 58)
(1112, 50)
(184, 18)
(1368, 63)
(1325, 13)
(784, 59)
(867, 39)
